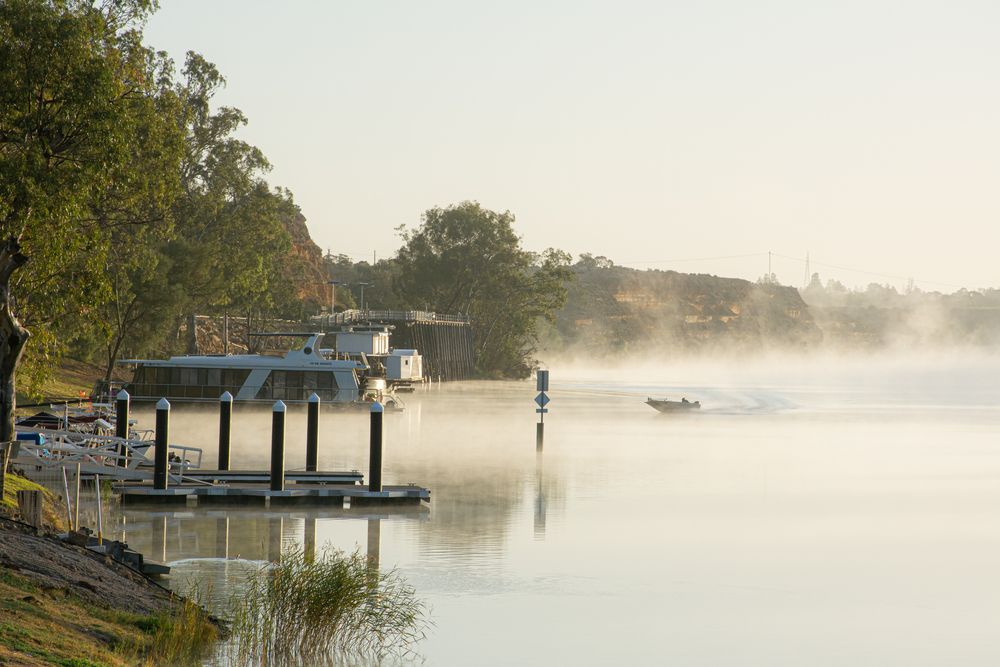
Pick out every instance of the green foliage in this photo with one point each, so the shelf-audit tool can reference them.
(88, 144)
(467, 259)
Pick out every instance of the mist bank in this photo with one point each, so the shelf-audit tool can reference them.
(624, 312)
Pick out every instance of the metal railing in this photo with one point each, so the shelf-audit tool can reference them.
(356, 315)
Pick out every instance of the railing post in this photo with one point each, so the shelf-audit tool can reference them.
(225, 429)
(122, 401)
(160, 444)
(312, 433)
(375, 449)
(278, 447)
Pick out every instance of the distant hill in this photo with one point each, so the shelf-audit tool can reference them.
(613, 308)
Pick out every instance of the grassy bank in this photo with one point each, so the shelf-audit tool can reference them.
(40, 626)
(51, 514)
(64, 605)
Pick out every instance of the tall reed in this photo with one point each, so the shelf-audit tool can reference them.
(325, 610)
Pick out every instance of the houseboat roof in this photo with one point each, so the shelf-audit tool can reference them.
(309, 356)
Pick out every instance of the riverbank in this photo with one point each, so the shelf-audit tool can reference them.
(62, 604)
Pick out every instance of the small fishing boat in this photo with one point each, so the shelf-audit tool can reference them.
(682, 405)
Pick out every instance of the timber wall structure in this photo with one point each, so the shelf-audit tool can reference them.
(448, 349)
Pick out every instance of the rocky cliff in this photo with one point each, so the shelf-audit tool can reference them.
(304, 266)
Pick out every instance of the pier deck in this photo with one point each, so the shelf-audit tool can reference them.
(264, 476)
(261, 495)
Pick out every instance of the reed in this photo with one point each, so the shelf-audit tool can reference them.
(319, 611)
(185, 638)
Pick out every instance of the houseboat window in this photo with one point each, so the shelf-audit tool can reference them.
(233, 379)
(293, 386)
(265, 388)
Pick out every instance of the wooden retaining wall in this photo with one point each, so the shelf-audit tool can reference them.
(448, 348)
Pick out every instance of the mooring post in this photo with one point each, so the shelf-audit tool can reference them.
(225, 429)
(122, 401)
(100, 510)
(69, 510)
(76, 503)
(160, 444)
(312, 432)
(375, 449)
(278, 447)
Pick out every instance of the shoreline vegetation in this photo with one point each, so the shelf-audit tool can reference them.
(61, 604)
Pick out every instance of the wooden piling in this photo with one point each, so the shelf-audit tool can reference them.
(29, 505)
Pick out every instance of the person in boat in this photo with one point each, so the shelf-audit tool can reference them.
(684, 400)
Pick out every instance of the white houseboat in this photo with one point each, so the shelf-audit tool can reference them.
(256, 378)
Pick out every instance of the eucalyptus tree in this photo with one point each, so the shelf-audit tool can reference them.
(81, 105)
(229, 233)
(467, 259)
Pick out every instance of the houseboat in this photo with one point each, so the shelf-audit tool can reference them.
(257, 378)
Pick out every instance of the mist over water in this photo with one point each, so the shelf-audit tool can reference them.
(820, 511)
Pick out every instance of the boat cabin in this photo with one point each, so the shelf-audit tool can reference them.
(291, 378)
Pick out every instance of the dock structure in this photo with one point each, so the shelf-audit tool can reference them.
(262, 476)
(268, 487)
(328, 495)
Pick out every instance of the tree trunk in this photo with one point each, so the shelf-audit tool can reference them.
(12, 339)
(192, 334)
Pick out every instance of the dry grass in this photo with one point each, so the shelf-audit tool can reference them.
(68, 379)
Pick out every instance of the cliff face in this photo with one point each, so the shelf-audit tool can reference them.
(304, 266)
(620, 309)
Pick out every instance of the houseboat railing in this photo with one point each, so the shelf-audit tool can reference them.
(367, 315)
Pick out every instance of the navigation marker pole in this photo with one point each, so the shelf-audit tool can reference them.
(542, 385)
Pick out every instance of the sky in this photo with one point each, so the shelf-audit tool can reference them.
(696, 137)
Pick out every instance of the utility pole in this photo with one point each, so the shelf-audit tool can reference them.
(333, 297)
(769, 274)
(363, 286)
(805, 282)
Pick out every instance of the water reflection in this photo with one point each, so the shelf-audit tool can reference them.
(245, 534)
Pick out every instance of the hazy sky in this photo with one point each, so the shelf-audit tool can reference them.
(866, 133)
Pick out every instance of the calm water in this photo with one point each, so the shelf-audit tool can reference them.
(840, 513)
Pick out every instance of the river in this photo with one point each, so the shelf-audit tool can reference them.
(821, 512)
